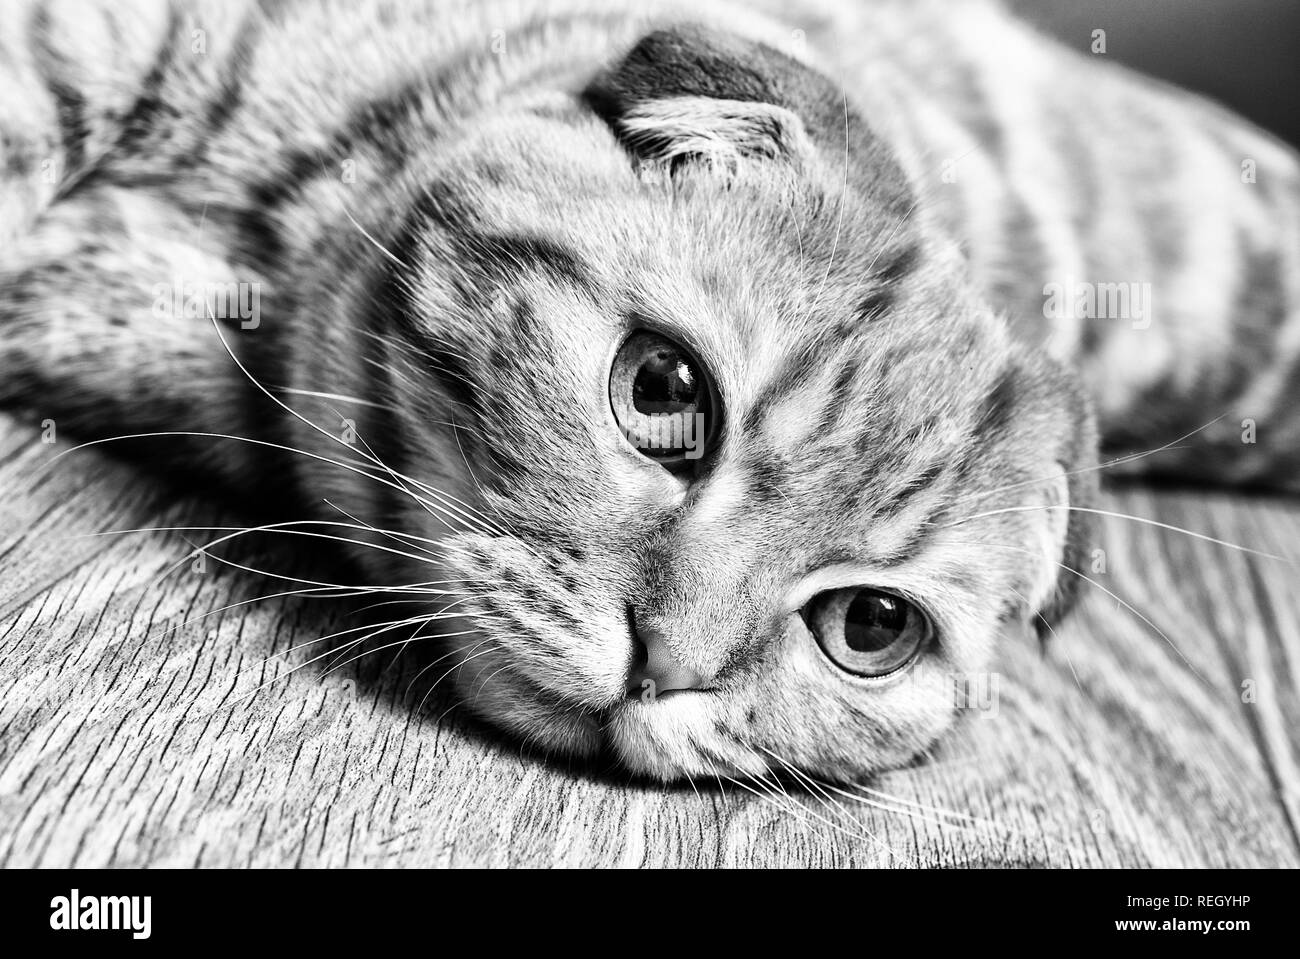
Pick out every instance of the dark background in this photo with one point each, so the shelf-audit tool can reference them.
(1243, 53)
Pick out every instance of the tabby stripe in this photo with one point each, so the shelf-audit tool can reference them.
(144, 115)
(1036, 240)
(383, 120)
(793, 374)
(899, 262)
(996, 408)
(382, 432)
(914, 486)
(837, 399)
(911, 547)
(1258, 314)
(233, 73)
(74, 123)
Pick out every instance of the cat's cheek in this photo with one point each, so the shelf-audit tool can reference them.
(853, 727)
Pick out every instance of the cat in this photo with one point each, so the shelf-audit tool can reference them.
(735, 375)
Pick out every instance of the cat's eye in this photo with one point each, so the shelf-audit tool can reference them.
(867, 632)
(663, 401)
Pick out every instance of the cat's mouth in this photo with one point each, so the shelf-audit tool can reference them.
(680, 738)
(672, 734)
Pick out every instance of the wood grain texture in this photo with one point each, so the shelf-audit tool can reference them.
(1129, 741)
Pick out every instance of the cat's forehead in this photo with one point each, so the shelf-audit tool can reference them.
(829, 324)
(810, 335)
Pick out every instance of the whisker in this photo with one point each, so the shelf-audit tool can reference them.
(241, 439)
(1116, 515)
(839, 222)
(1052, 629)
(388, 407)
(783, 803)
(401, 642)
(448, 655)
(379, 627)
(1117, 461)
(818, 790)
(298, 416)
(319, 592)
(1160, 632)
(459, 665)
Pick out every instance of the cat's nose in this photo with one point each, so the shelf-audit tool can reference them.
(655, 671)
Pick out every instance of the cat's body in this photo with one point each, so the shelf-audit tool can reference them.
(453, 215)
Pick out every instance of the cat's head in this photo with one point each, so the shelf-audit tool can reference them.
(765, 480)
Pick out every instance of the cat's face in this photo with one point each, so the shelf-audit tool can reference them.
(736, 421)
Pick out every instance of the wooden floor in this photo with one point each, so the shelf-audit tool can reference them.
(1164, 734)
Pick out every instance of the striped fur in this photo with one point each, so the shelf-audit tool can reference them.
(453, 213)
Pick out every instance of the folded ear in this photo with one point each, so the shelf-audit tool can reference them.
(1065, 527)
(716, 131)
(691, 89)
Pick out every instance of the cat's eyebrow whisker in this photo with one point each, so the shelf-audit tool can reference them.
(425, 555)
(1069, 569)
(360, 229)
(923, 194)
(394, 344)
(487, 524)
(1116, 515)
(388, 407)
(1135, 612)
(839, 222)
(455, 433)
(1117, 461)
(205, 550)
(803, 264)
(885, 245)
